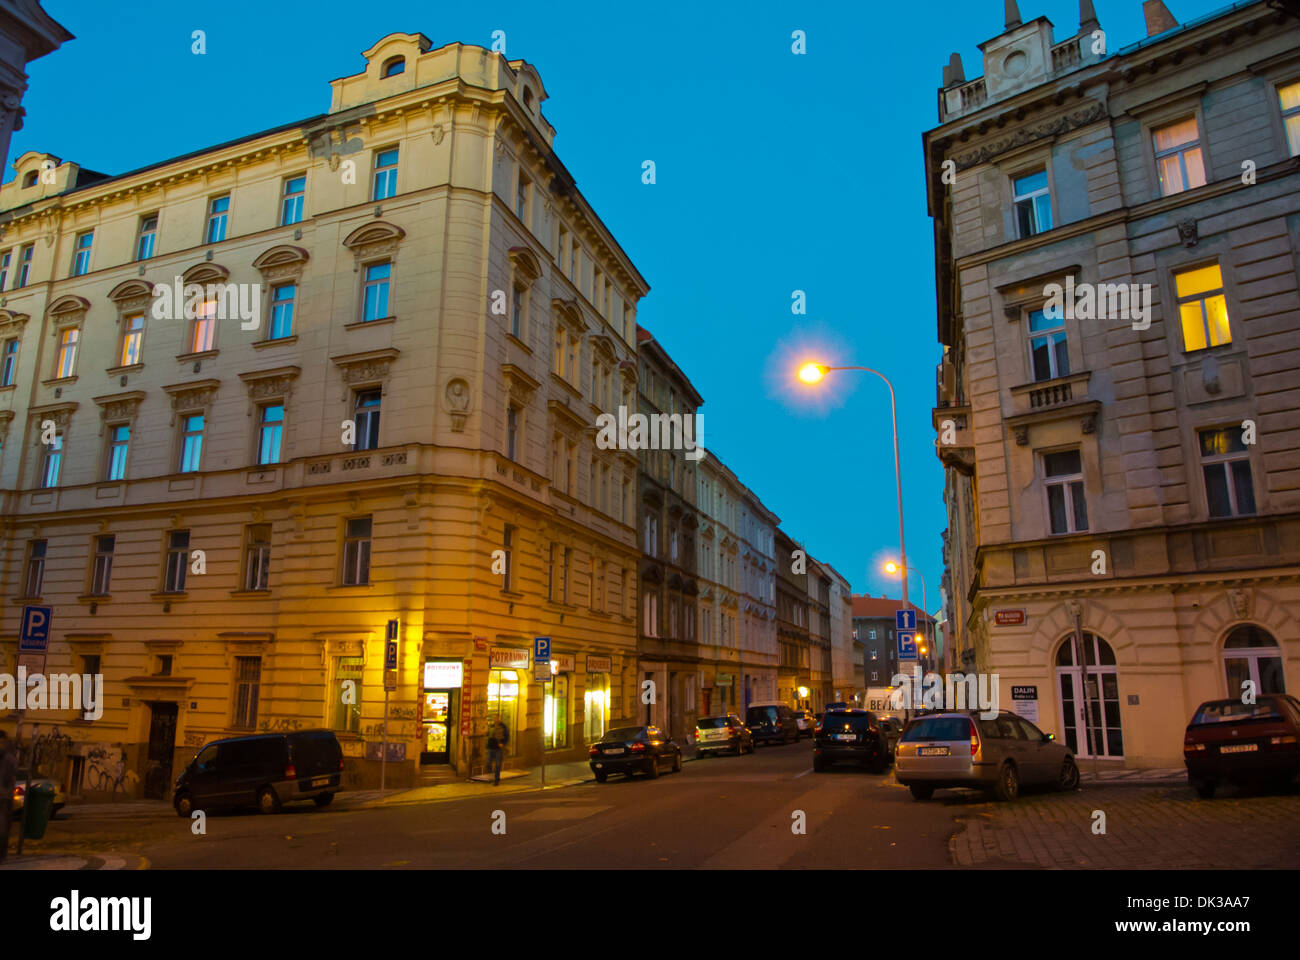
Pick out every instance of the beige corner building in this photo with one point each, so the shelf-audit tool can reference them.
(1125, 472)
(380, 404)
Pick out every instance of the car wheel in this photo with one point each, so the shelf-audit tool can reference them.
(1205, 789)
(819, 765)
(921, 792)
(677, 761)
(601, 777)
(323, 799)
(654, 768)
(1069, 779)
(267, 801)
(184, 804)
(1008, 785)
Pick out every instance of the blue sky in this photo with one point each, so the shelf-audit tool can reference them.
(775, 173)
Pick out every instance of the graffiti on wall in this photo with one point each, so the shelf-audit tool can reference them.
(280, 725)
(106, 769)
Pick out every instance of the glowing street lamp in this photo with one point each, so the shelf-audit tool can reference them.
(893, 568)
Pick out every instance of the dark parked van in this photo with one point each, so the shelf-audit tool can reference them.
(772, 723)
(263, 771)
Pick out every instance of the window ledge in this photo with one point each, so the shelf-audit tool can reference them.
(27, 600)
(59, 381)
(9, 386)
(519, 343)
(277, 342)
(164, 596)
(512, 594)
(377, 322)
(201, 355)
(95, 597)
(250, 593)
(129, 368)
(336, 587)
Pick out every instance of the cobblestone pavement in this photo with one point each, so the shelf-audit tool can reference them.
(1167, 828)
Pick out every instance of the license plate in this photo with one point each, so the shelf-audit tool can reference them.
(846, 736)
(932, 752)
(321, 782)
(614, 750)
(1239, 748)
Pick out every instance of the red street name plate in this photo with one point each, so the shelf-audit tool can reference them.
(1008, 618)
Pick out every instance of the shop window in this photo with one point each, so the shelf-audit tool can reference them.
(557, 712)
(503, 703)
(345, 706)
(596, 707)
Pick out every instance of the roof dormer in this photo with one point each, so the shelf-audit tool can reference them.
(391, 67)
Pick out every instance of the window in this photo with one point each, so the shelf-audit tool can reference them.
(282, 298)
(1250, 653)
(1049, 355)
(508, 547)
(53, 463)
(101, 576)
(385, 184)
(1202, 308)
(257, 557)
(164, 665)
(248, 682)
(81, 253)
(178, 561)
(132, 340)
(345, 711)
(9, 363)
(1289, 96)
(25, 265)
(191, 443)
(374, 302)
(35, 578)
(293, 192)
(366, 417)
(1066, 507)
(65, 357)
(1226, 466)
(521, 198)
(566, 575)
(29, 179)
(203, 328)
(559, 351)
(550, 571)
(517, 312)
(512, 432)
(5, 258)
(119, 441)
(393, 66)
(1179, 163)
(1033, 204)
(218, 210)
(145, 238)
(356, 552)
(269, 433)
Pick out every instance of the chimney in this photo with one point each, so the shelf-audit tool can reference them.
(954, 74)
(1088, 21)
(1013, 14)
(1159, 19)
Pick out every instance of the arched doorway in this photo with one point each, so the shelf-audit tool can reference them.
(1250, 653)
(1103, 737)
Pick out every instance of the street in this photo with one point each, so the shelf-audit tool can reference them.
(726, 812)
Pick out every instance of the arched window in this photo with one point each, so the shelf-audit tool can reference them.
(29, 178)
(1250, 653)
(1098, 700)
(393, 66)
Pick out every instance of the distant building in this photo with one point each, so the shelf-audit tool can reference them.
(875, 623)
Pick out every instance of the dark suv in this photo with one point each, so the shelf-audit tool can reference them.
(854, 736)
(263, 771)
(772, 723)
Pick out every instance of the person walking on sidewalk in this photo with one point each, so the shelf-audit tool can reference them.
(8, 778)
(498, 737)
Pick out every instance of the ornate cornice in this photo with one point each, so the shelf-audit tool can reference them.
(197, 395)
(1030, 132)
(118, 406)
(273, 384)
(372, 366)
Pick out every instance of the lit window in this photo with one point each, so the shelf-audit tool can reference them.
(385, 184)
(374, 304)
(203, 329)
(282, 298)
(144, 242)
(132, 340)
(1202, 308)
(1225, 463)
(1033, 204)
(1179, 162)
(65, 359)
(269, 434)
(119, 442)
(192, 443)
(81, 256)
(291, 206)
(1048, 353)
(1066, 506)
(1290, 101)
(218, 210)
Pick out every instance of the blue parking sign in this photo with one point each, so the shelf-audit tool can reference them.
(907, 645)
(35, 635)
(541, 650)
(905, 619)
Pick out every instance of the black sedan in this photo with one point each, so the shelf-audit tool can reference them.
(853, 736)
(632, 750)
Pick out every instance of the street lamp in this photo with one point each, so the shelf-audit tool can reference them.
(891, 567)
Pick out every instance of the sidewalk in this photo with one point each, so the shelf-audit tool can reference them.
(55, 861)
(512, 781)
(1161, 776)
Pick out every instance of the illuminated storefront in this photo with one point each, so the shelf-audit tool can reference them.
(508, 666)
(596, 700)
(442, 683)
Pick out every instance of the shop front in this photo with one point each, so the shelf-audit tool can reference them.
(440, 711)
(507, 673)
(596, 698)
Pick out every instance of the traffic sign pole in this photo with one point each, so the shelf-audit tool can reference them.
(542, 655)
(390, 663)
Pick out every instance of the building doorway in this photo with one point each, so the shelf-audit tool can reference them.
(442, 683)
(162, 748)
(1103, 736)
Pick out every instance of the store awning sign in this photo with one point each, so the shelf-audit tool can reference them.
(442, 674)
(599, 664)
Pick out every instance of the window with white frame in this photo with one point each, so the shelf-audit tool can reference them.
(374, 298)
(1067, 508)
(119, 441)
(247, 691)
(144, 241)
(65, 354)
(25, 265)
(257, 556)
(1049, 354)
(356, 551)
(178, 561)
(1202, 307)
(293, 193)
(191, 443)
(9, 363)
(1180, 164)
(366, 413)
(218, 212)
(385, 182)
(269, 433)
(34, 579)
(52, 463)
(132, 340)
(1225, 464)
(512, 432)
(282, 300)
(203, 327)
(81, 253)
(101, 574)
(1033, 203)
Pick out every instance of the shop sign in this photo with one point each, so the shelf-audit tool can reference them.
(442, 674)
(599, 664)
(390, 679)
(508, 658)
(1009, 618)
(564, 662)
(480, 643)
(465, 699)
(1024, 702)
(724, 679)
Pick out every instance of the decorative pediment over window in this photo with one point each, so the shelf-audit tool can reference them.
(67, 310)
(274, 384)
(280, 263)
(132, 296)
(10, 321)
(205, 273)
(118, 407)
(527, 266)
(566, 421)
(366, 369)
(570, 314)
(374, 241)
(603, 347)
(197, 395)
(60, 413)
(518, 384)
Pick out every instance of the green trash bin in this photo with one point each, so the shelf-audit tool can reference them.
(38, 807)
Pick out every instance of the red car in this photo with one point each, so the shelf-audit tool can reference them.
(1233, 742)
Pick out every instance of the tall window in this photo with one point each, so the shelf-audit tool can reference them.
(508, 546)
(345, 714)
(1202, 308)
(552, 559)
(101, 577)
(356, 552)
(521, 198)
(374, 303)
(65, 357)
(1225, 463)
(517, 312)
(25, 265)
(293, 191)
(191, 443)
(119, 441)
(1048, 353)
(1290, 102)
(566, 575)
(35, 579)
(257, 557)
(9, 363)
(53, 462)
(144, 240)
(1033, 204)
(1066, 506)
(282, 298)
(248, 685)
(1179, 162)
(512, 432)
(270, 431)
(132, 340)
(385, 184)
(81, 253)
(178, 561)
(366, 418)
(218, 211)
(5, 259)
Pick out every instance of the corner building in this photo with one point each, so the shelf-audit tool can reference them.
(408, 433)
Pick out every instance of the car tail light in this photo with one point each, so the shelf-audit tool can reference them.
(638, 747)
(1278, 741)
(594, 751)
(1190, 747)
(290, 773)
(340, 763)
(18, 791)
(974, 740)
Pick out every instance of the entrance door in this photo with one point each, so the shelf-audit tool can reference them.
(1102, 735)
(162, 748)
(437, 726)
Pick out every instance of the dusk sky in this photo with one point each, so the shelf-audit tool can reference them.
(774, 174)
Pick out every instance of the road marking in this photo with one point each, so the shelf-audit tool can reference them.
(561, 813)
(804, 774)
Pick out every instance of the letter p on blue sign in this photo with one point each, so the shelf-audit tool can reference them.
(35, 636)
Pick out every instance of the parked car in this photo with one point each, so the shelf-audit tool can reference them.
(850, 735)
(893, 728)
(632, 750)
(962, 749)
(20, 791)
(840, 705)
(772, 723)
(1233, 742)
(266, 771)
(807, 722)
(718, 734)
